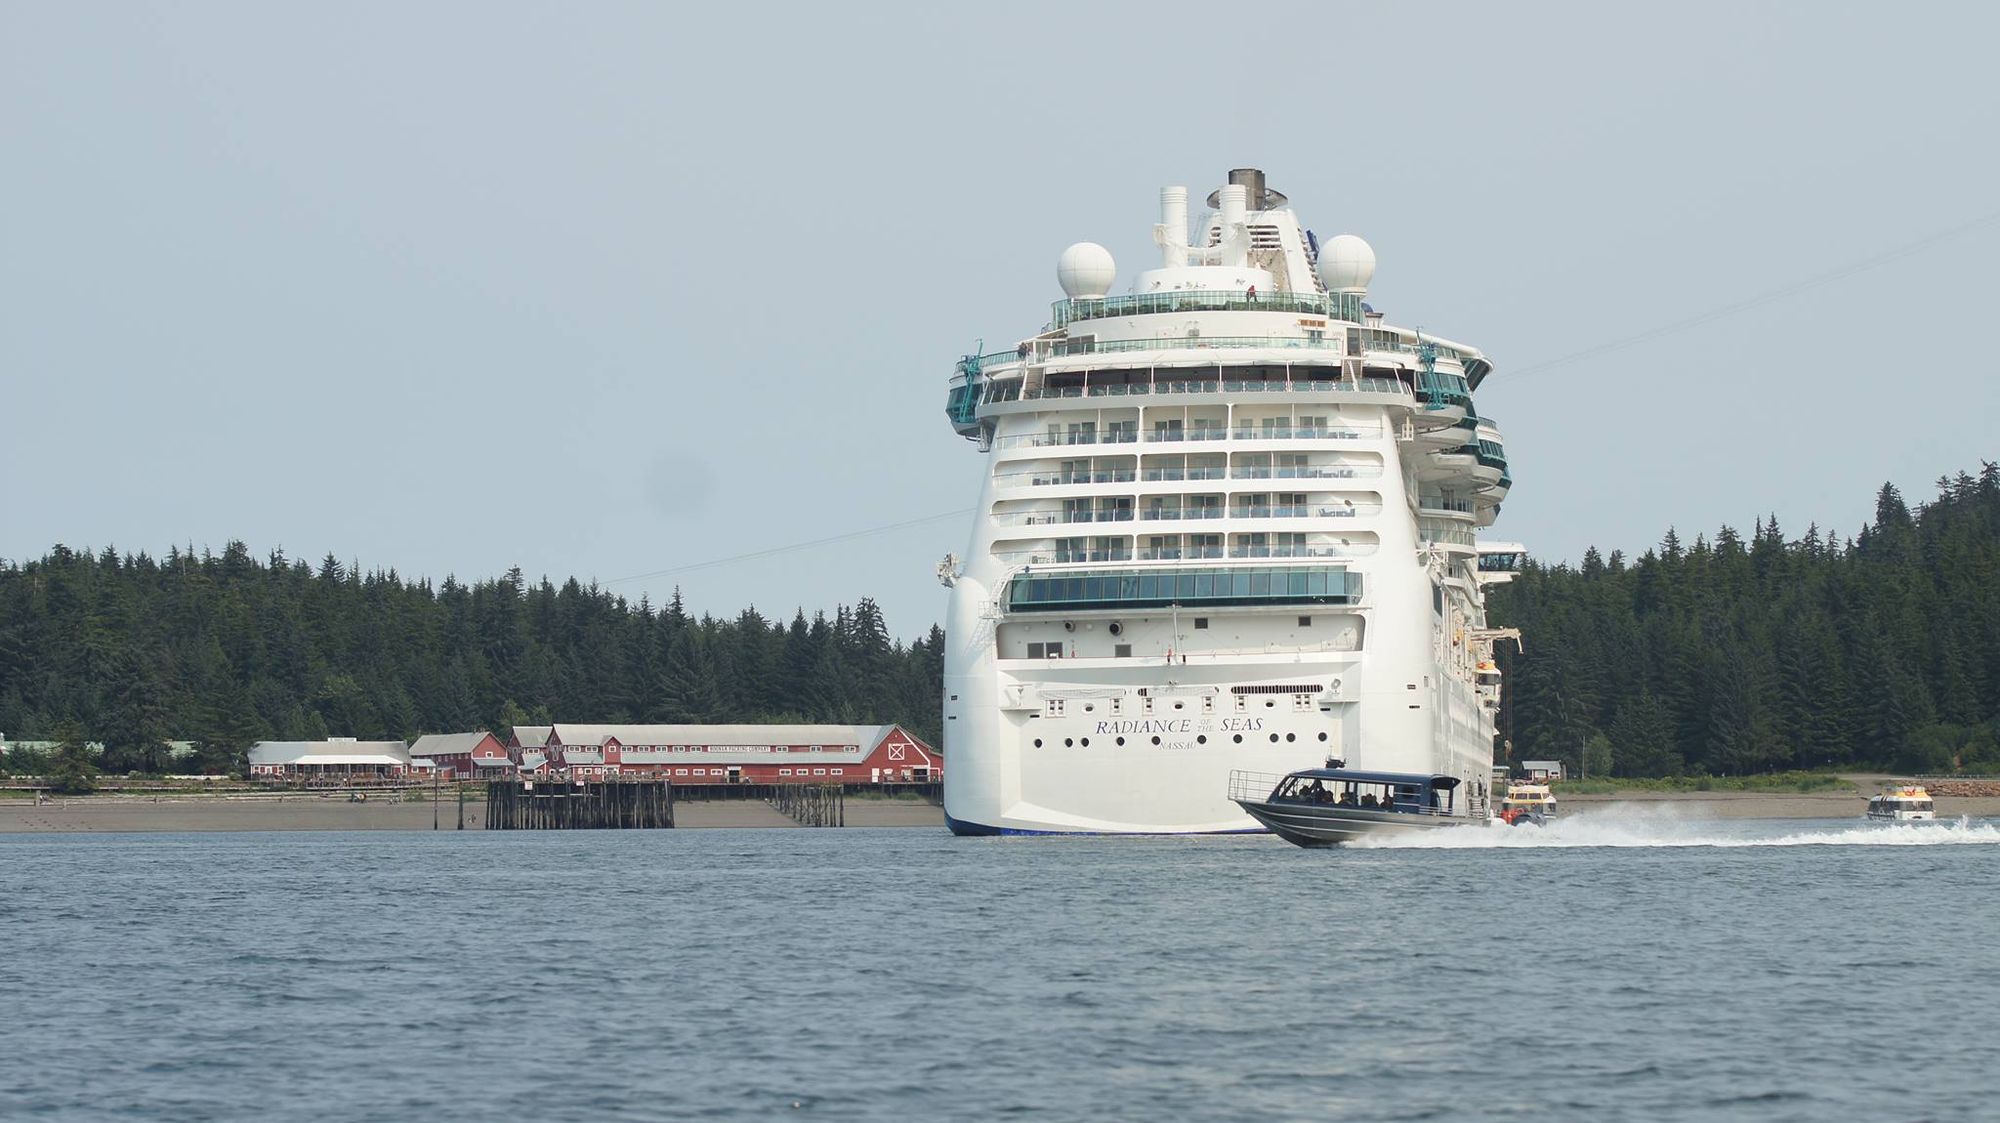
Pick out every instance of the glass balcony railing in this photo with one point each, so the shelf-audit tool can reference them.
(1338, 306)
(1157, 514)
(1057, 479)
(1188, 588)
(1286, 552)
(1291, 472)
(1169, 474)
(1062, 518)
(1171, 436)
(1444, 503)
(1179, 553)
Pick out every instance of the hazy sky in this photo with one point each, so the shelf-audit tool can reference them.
(610, 289)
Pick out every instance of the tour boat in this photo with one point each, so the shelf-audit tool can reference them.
(1331, 805)
(1527, 802)
(1909, 803)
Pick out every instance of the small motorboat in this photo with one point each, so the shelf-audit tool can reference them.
(1331, 805)
(1527, 802)
(1909, 803)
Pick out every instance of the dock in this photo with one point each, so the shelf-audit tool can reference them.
(579, 805)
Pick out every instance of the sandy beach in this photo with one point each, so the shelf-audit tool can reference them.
(103, 814)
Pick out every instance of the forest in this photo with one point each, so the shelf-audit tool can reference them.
(1731, 656)
(227, 649)
(1724, 656)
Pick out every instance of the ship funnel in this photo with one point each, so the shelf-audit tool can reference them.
(1257, 193)
(1232, 219)
(1252, 182)
(1172, 234)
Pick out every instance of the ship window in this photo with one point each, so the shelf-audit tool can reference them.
(1305, 621)
(1201, 623)
(1122, 651)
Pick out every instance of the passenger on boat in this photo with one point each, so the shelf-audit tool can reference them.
(1347, 798)
(1368, 800)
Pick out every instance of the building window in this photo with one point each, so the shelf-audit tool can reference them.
(819, 771)
(785, 771)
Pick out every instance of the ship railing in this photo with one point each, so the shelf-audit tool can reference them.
(1169, 474)
(1338, 306)
(1057, 479)
(1171, 436)
(1248, 472)
(1155, 514)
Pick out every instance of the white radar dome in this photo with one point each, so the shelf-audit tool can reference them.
(1086, 269)
(1346, 264)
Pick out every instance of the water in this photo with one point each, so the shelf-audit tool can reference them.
(1613, 966)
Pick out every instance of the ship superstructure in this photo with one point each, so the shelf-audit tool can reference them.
(1228, 523)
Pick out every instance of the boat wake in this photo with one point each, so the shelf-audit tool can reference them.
(1631, 825)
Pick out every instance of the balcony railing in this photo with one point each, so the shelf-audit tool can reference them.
(1296, 433)
(1178, 553)
(1309, 472)
(1338, 306)
(1286, 552)
(1171, 474)
(1056, 479)
(1156, 514)
(1289, 511)
(1060, 518)
(1444, 503)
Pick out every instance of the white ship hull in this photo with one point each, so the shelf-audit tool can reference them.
(1177, 573)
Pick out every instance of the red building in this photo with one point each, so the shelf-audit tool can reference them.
(464, 756)
(741, 754)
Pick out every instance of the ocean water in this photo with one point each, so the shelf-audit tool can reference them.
(1613, 966)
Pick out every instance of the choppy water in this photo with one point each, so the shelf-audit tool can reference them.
(1613, 966)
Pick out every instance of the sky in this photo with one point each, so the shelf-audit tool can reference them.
(619, 290)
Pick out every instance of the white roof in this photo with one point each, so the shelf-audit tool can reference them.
(532, 735)
(323, 752)
(447, 744)
(865, 736)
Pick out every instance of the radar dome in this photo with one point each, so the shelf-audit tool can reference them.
(1086, 269)
(1346, 264)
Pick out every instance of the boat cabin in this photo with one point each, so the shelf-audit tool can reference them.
(1370, 791)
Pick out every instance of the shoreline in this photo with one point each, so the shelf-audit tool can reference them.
(119, 814)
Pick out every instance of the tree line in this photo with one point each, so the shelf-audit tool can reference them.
(1731, 656)
(1726, 656)
(227, 649)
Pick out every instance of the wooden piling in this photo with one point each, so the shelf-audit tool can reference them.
(566, 805)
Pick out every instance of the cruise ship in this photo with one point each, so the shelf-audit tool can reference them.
(1229, 523)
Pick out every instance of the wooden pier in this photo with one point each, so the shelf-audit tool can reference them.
(811, 805)
(579, 805)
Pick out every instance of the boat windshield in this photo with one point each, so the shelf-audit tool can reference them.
(1411, 794)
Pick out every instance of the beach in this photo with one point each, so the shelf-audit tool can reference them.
(107, 814)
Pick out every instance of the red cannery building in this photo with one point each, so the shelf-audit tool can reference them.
(743, 754)
(464, 756)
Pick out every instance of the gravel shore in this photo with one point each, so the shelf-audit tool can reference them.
(102, 814)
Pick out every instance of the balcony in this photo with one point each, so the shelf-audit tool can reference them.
(1060, 479)
(1062, 518)
(1178, 553)
(1170, 514)
(1308, 472)
(1156, 475)
(1289, 511)
(1338, 306)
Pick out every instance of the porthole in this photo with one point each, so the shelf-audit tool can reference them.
(1086, 742)
(1288, 737)
(1322, 736)
(1156, 740)
(1177, 705)
(1087, 707)
(1070, 742)
(1121, 740)
(1038, 742)
(1201, 740)
(1268, 703)
(1239, 738)
(1274, 738)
